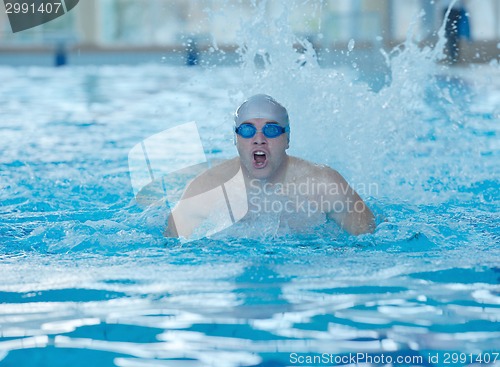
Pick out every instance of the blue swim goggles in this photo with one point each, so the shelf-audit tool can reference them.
(270, 130)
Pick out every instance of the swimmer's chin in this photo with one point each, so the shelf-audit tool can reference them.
(258, 173)
(259, 166)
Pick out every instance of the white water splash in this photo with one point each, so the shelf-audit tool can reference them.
(394, 138)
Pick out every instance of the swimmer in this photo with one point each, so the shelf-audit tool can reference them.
(270, 181)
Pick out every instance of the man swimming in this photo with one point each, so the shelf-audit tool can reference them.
(264, 183)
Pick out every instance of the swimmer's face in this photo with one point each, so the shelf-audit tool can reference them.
(262, 157)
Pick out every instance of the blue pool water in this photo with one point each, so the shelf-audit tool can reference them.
(88, 279)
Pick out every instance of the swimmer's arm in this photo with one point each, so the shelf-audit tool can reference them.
(348, 209)
(185, 217)
(200, 199)
(194, 207)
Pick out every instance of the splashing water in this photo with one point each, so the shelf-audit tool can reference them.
(371, 137)
(87, 275)
(397, 144)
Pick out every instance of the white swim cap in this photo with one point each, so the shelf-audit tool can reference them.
(261, 106)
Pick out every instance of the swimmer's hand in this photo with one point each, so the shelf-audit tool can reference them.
(355, 217)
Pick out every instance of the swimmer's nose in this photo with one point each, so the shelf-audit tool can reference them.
(259, 138)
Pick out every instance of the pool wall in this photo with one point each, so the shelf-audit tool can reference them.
(471, 52)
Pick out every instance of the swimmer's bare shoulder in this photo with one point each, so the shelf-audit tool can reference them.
(301, 170)
(206, 181)
(212, 178)
(332, 189)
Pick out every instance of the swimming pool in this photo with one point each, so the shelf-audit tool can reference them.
(88, 279)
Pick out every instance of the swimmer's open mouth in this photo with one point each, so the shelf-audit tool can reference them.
(259, 159)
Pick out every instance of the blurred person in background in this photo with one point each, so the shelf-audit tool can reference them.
(457, 27)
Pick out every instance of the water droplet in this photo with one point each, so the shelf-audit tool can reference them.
(350, 45)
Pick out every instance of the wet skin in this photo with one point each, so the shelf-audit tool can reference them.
(262, 162)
